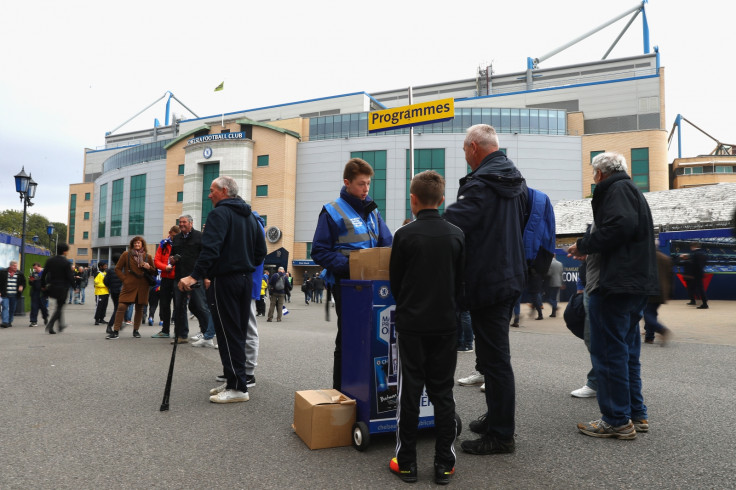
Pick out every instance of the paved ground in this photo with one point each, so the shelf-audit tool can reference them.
(80, 411)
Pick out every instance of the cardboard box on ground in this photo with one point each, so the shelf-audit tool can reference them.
(370, 264)
(324, 418)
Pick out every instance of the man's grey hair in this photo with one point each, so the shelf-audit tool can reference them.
(188, 217)
(483, 135)
(13, 262)
(227, 183)
(281, 269)
(609, 163)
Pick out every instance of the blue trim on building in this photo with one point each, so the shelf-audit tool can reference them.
(560, 87)
(282, 105)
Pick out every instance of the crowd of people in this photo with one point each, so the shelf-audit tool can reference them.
(476, 256)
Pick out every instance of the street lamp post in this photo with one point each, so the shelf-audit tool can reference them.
(25, 186)
(50, 231)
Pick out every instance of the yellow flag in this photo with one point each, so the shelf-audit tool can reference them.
(220, 87)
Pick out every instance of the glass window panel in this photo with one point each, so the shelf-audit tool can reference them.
(524, 116)
(475, 116)
(137, 205)
(181, 169)
(116, 208)
(261, 190)
(102, 213)
(505, 120)
(515, 121)
(561, 122)
(552, 122)
(543, 121)
(210, 171)
(534, 121)
(486, 116)
(496, 118)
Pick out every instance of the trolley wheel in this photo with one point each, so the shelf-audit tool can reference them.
(361, 436)
(459, 423)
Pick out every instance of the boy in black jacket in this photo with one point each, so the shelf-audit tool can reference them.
(427, 262)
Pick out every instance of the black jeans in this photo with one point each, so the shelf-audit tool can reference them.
(165, 297)
(493, 354)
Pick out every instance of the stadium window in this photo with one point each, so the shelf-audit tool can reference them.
(180, 196)
(262, 161)
(181, 169)
(261, 191)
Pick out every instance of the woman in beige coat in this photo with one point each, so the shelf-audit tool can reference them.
(132, 269)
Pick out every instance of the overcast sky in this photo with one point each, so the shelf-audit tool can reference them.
(73, 70)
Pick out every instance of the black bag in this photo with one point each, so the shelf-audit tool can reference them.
(575, 315)
(151, 280)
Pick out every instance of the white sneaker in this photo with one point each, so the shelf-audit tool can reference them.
(475, 378)
(219, 389)
(584, 392)
(230, 396)
(204, 343)
(483, 387)
(197, 337)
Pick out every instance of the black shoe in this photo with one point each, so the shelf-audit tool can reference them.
(692, 303)
(45, 320)
(250, 380)
(62, 327)
(51, 331)
(4, 325)
(553, 315)
(540, 317)
(648, 341)
(109, 330)
(113, 335)
(136, 334)
(97, 323)
(701, 307)
(442, 474)
(480, 426)
(408, 475)
(488, 445)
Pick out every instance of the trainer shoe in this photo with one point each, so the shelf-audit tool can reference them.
(113, 335)
(230, 396)
(197, 337)
(584, 392)
(150, 321)
(160, 335)
(641, 425)
(136, 334)
(488, 444)
(204, 343)
(475, 378)
(34, 324)
(408, 475)
(220, 377)
(180, 340)
(599, 428)
(219, 389)
(480, 425)
(483, 388)
(442, 474)
(250, 380)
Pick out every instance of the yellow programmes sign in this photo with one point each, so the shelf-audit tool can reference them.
(411, 115)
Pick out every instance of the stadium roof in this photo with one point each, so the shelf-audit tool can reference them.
(690, 208)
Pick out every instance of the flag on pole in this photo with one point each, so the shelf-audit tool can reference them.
(220, 87)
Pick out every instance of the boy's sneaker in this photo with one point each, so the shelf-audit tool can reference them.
(230, 396)
(204, 343)
(180, 340)
(475, 378)
(220, 377)
(489, 445)
(136, 334)
(113, 335)
(197, 337)
(641, 425)
(584, 392)
(34, 324)
(160, 335)
(250, 380)
(408, 475)
(599, 428)
(442, 474)
(150, 321)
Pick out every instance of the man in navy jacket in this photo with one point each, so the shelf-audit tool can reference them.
(490, 209)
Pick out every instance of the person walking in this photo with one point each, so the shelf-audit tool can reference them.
(164, 262)
(132, 268)
(39, 301)
(114, 285)
(277, 287)
(554, 283)
(57, 280)
(652, 325)
(307, 289)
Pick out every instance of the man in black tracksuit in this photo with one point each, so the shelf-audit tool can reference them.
(233, 245)
(427, 262)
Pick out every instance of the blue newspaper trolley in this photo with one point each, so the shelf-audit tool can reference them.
(370, 362)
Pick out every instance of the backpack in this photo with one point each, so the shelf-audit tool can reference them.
(279, 284)
(539, 232)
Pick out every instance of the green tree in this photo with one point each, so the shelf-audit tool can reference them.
(11, 222)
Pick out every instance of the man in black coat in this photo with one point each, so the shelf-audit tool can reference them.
(490, 210)
(624, 237)
(57, 280)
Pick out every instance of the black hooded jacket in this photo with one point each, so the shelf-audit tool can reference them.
(232, 241)
(624, 236)
(490, 209)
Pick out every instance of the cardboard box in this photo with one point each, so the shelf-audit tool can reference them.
(370, 264)
(324, 418)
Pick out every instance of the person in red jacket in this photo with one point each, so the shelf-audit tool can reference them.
(166, 293)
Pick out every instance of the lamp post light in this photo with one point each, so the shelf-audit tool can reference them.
(50, 232)
(25, 186)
